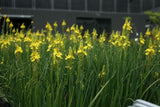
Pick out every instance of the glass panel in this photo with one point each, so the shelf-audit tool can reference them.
(122, 5)
(157, 3)
(23, 3)
(147, 4)
(61, 4)
(93, 5)
(108, 5)
(43, 4)
(77, 4)
(5, 3)
(135, 6)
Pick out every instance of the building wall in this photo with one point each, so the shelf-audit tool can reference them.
(41, 17)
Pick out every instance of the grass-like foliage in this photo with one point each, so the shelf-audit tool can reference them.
(49, 68)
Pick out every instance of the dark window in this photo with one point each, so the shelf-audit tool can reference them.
(135, 5)
(17, 22)
(46, 4)
(122, 5)
(23, 3)
(61, 4)
(5, 3)
(93, 5)
(100, 24)
(77, 4)
(108, 5)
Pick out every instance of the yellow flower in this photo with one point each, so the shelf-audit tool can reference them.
(49, 47)
(27, 39)
(127, 25)
(94, 33)
(35, 56)
(73, 27)
(13, 30)
(63, 23)
(142, 41)
(11, 25)
(70, 54)
(7, 20)
(2, 61)
(35, 45)
(55, 24)
(102, 38)
(148, 33)
(81, 27)
(49, 27)
(156, 74)
(18, 50)
(22, 26)
(57, 53)
(81, 49)
(5, 16)
(32, 22)
(68, 30)
(102, 73)
(150, 51)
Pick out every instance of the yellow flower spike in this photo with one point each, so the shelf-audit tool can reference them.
(77, 30)
(73, 27)
(55, 24)
(57, 53)
(150, 51)
(18, 50)
(81, 27)
(102, 38)
(156, 74)
(70, 54)
(102, 73)
(11, 25)
(35, 56)
(49, 27)
(81, 49)
(7, 20)
(13, 31)
(2, 61)
(148, 33)
(32, 22)
(67, 30)
(5, 16)
(94, 33)
(86, 34)
(22, 26)
(127, 25)
(49, 47)
(37, 33)
(141, 39)
(63, 23)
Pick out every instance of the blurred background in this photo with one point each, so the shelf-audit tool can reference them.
(105, 15)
